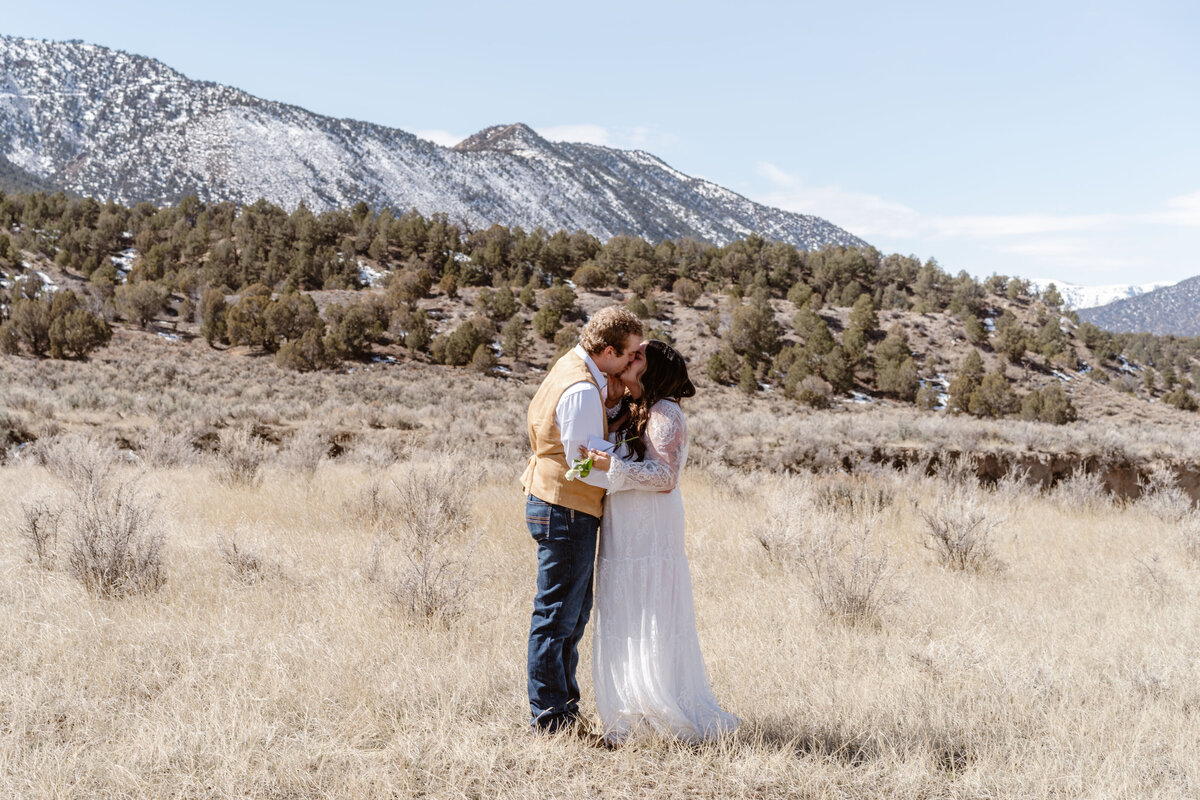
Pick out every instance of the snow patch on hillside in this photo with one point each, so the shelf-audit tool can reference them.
(368, 275)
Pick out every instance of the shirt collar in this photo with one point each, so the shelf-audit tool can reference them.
(601, 380)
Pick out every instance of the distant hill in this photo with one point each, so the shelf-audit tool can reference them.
(1079, 296)
(15, 179)
(1169, 310)
(409, 289)
(112, 125)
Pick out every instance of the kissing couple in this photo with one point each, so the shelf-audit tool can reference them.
(615, 399)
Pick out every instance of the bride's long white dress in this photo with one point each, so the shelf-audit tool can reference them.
(647, 667)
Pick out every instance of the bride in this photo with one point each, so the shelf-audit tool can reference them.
(647, 667)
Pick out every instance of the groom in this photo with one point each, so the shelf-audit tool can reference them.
(564, 516)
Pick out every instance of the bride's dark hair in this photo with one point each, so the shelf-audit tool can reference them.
(665, 376)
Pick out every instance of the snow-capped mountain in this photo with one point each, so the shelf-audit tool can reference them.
(113, 125)
(1079, 297)
(1173, 309)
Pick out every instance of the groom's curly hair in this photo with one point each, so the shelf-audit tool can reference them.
(609, 327)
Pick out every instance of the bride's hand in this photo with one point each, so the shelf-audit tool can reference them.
(601, 460)
(616, 390)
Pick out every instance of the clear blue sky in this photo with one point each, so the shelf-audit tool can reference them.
(1041, 139)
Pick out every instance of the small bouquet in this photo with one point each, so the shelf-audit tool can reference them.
(582, 467)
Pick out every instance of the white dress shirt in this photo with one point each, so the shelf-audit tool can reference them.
(580, 414)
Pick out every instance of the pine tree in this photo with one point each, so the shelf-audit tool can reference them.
(1050, 339)
(637, 307)
(994, 397)
(723, 366)
(546, 322)
(966, 382)
(1051, 297)
(854, 344)
(140, 302)
(212, 315)
(514, 337)
(350, 330)
(29, 323)
(863, 316)
(837, 371)
(977, 332)
(687, 291)
(800, 294)
(1011, 338)
(927, 397)
(590, 276)
(483, 360)
(412, 329)
(458, 348)
(1057, 408)
(1181, 399)
(895, 370)
(245, 321)
(1031, 406)
(747, 380)
(528, 296)
(77, 333)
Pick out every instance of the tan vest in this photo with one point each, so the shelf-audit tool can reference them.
(545, 475)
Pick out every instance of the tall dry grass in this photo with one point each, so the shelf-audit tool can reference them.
(113, 535)
(163, 397)
(961, 529)
(422, 548)
(285, 656)
(1065, 675)
(828, 533)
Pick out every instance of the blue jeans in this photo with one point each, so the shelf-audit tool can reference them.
(566, 550)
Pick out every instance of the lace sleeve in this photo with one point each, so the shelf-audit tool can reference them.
(666, 450)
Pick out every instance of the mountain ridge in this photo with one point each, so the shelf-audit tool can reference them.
(1080, 296)
(101, 122)
(1172, 309)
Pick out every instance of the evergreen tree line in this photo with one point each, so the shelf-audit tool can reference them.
(57, 324)
(868, 358)
(243, 273)
(192, 245)
(989, 394)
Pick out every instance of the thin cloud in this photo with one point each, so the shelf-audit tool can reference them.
(1001, 226)
(637, 138)
(870, 215)
(444, 138)
(1085, 247)
(1074, 253)
(1183, 210)
(586, 133)
(863, 214)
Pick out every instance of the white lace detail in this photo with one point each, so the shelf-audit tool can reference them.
(647, 667)
(666, 453)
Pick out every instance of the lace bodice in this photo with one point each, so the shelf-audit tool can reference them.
(666, 453)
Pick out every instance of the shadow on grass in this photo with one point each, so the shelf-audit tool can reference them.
(949, 753)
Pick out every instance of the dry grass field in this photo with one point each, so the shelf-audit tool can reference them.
(221, 579)
(314, 637)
